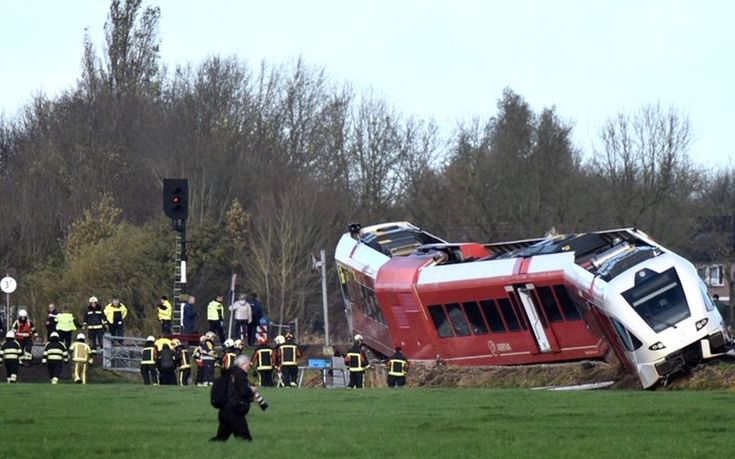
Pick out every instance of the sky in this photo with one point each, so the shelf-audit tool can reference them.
(440, 59)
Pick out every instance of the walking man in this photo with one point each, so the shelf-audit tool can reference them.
(55, 356)
(81, 355)
(66, 324)
(11, 352)
(24, 334)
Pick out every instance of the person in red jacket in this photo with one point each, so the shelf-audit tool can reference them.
(24, 334)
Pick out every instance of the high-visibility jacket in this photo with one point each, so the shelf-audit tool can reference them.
(356, 360)
(23, 329)
(183, 359)
(289, 354)
(10, 350)
(215, 310)
(397, 366)
(148, 356)
(263, 358)
(206, 350)
(228, 358)
(55, 351)
(80, 352)
(94, 319)
(165, 310)
(115, 314)
(65, 322)
(160, 342)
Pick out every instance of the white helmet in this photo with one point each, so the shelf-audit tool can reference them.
(10, 334)
(280, 339)
(210, 335)
(358, 337)
(93, 299)
(22, 313)
(229, 342)
(238, 343)
(54, 335)
(150, 338)
(80, 336)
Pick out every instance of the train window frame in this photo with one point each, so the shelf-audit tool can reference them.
(549, 304)
(629, 340)
(504, 305)
(443, 327)
(474, 315)
(569, 309)
(485, 306)
(458, 319)
(519, 309)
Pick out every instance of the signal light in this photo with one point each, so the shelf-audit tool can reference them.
(175, 198)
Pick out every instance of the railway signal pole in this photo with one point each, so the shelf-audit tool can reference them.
(176, 207)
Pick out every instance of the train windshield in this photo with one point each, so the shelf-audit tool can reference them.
(659, 299)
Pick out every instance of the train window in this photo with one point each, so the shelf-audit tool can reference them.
(567, 305)
(520, 312)
(658, 298)
(456, 316)
(440, 321)
(549, 304)
(509, 314)
(492, 316)
(628, 339)
(475, 318)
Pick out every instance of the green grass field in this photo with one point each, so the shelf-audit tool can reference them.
(131, 420)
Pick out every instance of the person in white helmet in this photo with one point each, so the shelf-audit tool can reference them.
(55, 355)
(81, 355)
(357, 362)
(148, 362)
(10, 353)
(24, 334)
(227, 358)
(95, 323)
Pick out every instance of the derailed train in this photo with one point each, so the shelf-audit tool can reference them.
(558, 298)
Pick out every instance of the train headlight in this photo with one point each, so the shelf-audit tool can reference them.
(701, 323)
(656, 346)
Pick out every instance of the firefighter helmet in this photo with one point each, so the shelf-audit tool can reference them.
(80, 336)
(150, 338)
(53, 335)
(22, 313)
(202, 338)
(229, 342)
(210, 335)
(176, 342)
(93, 299)
(358, 337)
(10, 334)
(280, 339)
(238, 343)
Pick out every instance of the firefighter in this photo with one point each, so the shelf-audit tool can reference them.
(229, 353)
(239, 346)
(11, 352)
(51, 320)
(55, 355)
(163, 341)
(165, 312)
(263, 360)
(148, 362)
(215, 317)
(397, 369)
(66, 324)
(357, 363)
(115, 314)
(81, 355)
(207, 356)
(94, 323)
(183, 362)
(288, 359)
(24, 334)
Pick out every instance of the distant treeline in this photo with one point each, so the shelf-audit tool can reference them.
(280, 158)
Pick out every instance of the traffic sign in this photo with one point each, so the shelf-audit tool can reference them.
(8, 284)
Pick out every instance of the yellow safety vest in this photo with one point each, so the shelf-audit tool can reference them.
(397, 367)
(148, 357)
(160, 343)
(165, 314)
(110, 311)
(215, 310)
(65, 322)
(288, 354)
(355, 360)
(185, 361)
(80, 352)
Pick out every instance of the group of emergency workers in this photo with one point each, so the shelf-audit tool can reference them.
(357, 363)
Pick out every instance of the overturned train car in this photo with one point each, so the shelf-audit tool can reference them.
(559, 298)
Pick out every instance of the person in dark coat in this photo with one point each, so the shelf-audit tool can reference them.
(50, 321)
(357, 362)
(232, 416)
(397, 367)
(190, 316)
(257, 314)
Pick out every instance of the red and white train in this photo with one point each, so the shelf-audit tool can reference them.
(559, 298)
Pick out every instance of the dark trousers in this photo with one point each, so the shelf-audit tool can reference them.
(208, 372)
(65, 337)
(117, 329)
(11, 368)
(231, 423)
(166, 327)
(290, 374)
(148, 370)
(356, 378)
(265, 377)
(95, 338)
(167, 376)
(396, 381)
(184, 374)
(252, 329)
(27, 345)
(54, 368)
(241, 329)
(215, 326)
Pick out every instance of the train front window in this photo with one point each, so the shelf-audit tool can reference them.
(659, 299)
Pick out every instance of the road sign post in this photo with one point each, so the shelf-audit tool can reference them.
(8, 285)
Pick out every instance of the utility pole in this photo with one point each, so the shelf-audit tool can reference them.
(323, 263)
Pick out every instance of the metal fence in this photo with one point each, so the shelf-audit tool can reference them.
(122, 353)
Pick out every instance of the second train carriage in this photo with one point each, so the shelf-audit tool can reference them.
(522, 302)
(403, 286)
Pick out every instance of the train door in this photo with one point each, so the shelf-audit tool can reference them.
(533, 316)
